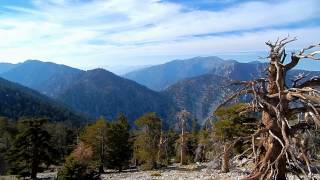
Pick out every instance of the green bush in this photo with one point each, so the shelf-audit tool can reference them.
(79, 165)
(75, 170)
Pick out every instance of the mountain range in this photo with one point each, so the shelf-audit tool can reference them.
(48, 78)
(162, 76)
(197, 85)
(95, 92)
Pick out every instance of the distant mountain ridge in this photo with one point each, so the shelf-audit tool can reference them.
(196, 84)
(46, 77)
(201, 95)
(4, 67)
(162, 76)
(95, 92)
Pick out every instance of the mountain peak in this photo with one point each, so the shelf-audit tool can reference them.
(197, 59)
(98, 72)
(254, 62)
(33, 61)
(46, 77)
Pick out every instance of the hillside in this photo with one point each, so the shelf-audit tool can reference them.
(200, 95)
(4, 67)
(18, 101)
(101, 93)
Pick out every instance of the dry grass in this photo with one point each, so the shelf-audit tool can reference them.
(156, 174)
(9, 178)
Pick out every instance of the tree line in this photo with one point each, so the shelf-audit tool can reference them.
(30, 146)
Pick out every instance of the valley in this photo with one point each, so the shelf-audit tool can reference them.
(199, 88)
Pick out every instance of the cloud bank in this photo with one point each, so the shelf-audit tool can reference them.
(93, 33)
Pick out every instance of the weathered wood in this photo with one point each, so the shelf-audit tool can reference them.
(275, 151)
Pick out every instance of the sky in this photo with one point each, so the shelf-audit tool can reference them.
(116, 33)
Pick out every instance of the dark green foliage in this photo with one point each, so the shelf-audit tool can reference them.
(63, 138)
(231, 125)
(8, 131)
(30, 149)
(18, 101)
(3, 164)
(192, 143)
(147, 140)
(119, 148)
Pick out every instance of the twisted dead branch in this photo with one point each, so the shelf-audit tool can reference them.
(280, 145)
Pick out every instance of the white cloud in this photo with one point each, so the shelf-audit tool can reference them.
(100, 32)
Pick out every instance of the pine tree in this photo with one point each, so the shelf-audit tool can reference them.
(8, 131)
(229, 127)
(119, 146)
(63, 139)
(30, 149)
(147, 139)
(95, 135)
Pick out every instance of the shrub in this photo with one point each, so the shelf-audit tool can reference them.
(79, 165)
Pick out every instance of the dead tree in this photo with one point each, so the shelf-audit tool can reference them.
(162, 152)
(183, 117)
(277, 144)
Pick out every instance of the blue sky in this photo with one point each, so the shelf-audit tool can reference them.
(99, 33)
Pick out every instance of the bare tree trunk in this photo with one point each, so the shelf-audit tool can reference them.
(183, 117)
(161, 149)
(271, 148)
(225, 167)
(276, 134)
(183, 148)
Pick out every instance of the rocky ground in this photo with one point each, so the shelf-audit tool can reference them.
(175, 172)
(190, 172)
